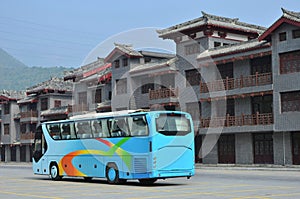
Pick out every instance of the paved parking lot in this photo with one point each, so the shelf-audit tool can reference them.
(19, 182)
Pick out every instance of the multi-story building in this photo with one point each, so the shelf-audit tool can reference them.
(239, 81)
(10, 125)
(142, 79)
(246, 87)
(23, 111)
(91, 87)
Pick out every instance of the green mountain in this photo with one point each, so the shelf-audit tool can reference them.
(14, 75)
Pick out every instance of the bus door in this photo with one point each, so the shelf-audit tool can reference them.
(40, 148)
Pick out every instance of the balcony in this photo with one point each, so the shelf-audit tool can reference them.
(78, 108)
(242, 120)
(234, 83)
(163, 93)
(27, 136)
(29, 114)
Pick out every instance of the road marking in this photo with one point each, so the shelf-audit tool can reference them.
(27, 195)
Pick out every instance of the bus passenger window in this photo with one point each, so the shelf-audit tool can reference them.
(65, 131)
(54, 131)
(138, 126)
(84, 130)
(97, 128)
(119, 128)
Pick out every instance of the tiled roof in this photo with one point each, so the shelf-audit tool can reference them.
(56, 84)
(289, 17)
(55, 111)
(27, 99)
(234, 48)
(154, 65)
(12, 95)
(208, 19)
(128, 49)
(83, 69)
(295, 16)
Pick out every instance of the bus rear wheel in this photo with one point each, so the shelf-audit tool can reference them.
(54, 172)
(147, 181)
(112, 174)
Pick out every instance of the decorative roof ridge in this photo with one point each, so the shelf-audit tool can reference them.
(123, 45)
(209, 19)
(232, 20)
(127, 49)
(290, 13)
(219, 18)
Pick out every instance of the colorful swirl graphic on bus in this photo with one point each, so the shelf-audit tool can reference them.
(66, 165)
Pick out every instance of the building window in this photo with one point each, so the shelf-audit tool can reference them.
(97, 96)
(282, 36)
(121, 86)
(193, 77)
(192, 49)
(117, 63)
(6, 109)
(262, 104)
(23, 128)
(125, 62)
(82, 98)
(57, 103)
(146, 87)
(44, 104)
(32, 127)
(261, 65)
(226, 70)
(290, 62)
(217, 44)
(296, 34)
(290, 101)
(6, 129)
(147, 59)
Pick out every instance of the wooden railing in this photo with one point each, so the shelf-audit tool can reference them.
(29, 114)
(78, 108)
(27, 136)
(242, 120)
(233, 83)
(163, 93)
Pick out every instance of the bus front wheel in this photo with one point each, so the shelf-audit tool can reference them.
(54, 172)
(112, 174)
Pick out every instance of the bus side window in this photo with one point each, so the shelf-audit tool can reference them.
(65, 131)
(54, 131)
(83, 129)
(138, 126)
(97, 128)
(119, 128)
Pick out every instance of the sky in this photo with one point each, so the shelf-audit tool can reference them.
(72, 33)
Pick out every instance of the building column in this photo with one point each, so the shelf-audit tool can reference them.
(28, 153)
(282, 148)
(7, 153)
(18, 153)
(244, 148)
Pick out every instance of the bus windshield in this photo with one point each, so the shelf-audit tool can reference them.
(171, 124)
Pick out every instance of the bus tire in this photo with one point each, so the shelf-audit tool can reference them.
(147, 181)
(112, 174)
(54, 172)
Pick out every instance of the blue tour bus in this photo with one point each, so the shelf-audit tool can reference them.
(118, 146)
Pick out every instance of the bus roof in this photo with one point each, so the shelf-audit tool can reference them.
(106, 114)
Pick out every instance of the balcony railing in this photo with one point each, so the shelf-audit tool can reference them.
(163, 93)
(242, 120)
(27, 136)
(78, 108)
(29, 114)
(233, 83)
